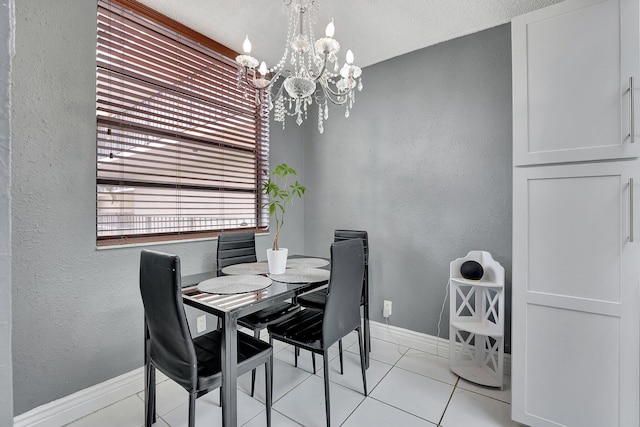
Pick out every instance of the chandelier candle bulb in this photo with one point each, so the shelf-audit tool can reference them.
(330, 30)
(349, 57)
(246, 46)
(263, 68)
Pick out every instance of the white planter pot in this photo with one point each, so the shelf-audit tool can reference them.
(277, 260)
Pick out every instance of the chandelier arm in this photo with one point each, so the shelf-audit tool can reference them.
(322, 70)
(274, 78)
(333, 97)
(336, 99)
(321, 96)
(332, 92)
(246, 79)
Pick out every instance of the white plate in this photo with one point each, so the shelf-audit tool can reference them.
(306, 262)
(237, 284)
(247, 268)
(301, 275)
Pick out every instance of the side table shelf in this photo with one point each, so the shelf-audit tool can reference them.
(476, 331)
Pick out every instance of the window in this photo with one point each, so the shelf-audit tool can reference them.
(181, 150)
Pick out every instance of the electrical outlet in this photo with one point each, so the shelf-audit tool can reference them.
(386, 310)
(202, 324)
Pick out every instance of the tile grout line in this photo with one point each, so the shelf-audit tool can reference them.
(401, 410)
(368, 396)
(262, 414)
(448, 401)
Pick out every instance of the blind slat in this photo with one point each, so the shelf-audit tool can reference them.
(180, 149)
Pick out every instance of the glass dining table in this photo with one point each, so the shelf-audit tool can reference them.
(230, 306)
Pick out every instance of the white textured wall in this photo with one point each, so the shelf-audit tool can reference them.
(6, 382)
(423, 164)
(375, 30)
(77, 314)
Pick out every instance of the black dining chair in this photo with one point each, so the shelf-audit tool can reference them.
(236, 248)
(317, 299)
(317, 330)
(193, 363)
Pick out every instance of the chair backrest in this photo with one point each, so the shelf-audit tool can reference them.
(235, 248)
(171, 348)
(341, 235)
(342, 308)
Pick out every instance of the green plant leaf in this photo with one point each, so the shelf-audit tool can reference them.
(281, 193)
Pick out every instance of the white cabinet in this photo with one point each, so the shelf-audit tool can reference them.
(572, 64)
(576, 236)
(575, 295)
(476, 331)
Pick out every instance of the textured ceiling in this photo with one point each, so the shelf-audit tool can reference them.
(375, 30)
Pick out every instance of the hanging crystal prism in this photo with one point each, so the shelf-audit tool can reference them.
(306, 61)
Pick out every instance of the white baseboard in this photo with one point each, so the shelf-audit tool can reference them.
(419, 341)
(423, 342)
(84, 402)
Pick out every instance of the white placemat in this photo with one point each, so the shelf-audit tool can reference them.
(247, 268)
(301, 275)
(306, 262)
(237, 284)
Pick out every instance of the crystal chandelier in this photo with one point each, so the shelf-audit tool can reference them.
(304, 71)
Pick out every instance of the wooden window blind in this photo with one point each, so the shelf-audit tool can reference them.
(181, 150)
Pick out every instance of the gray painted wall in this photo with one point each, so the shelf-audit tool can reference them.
(78, 316)
(426, 155)
(6, 375)
(424, 164)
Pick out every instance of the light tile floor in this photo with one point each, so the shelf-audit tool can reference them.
(407, 387)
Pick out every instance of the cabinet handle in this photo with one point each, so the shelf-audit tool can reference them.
(630, 209)
(632, 130)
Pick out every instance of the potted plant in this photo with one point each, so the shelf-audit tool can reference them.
(280, 193)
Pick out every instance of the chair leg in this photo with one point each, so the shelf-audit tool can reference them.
(367, 332)
(150, 381)
(367, 335)
(341, 361)
(327, 399)
(362, 362)
(313, 362)
(150, 396)
(268, 380)
(256, 334)
(296, 352)
(192, 409)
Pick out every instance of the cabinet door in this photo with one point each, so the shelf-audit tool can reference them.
(572, 64)
(576, 299)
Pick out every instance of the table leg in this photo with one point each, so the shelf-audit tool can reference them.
(229, 349)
